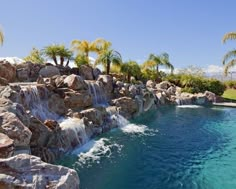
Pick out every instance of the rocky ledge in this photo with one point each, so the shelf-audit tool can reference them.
(26, 171)
(46, 111)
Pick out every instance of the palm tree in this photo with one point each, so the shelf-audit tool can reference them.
(64, 53)
(130, 68)
(158, 60)
(108, 57)
(51, 52)
(229, 60)
(1, 37)
(55, 51)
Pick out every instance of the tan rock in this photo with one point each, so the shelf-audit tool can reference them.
(7, 71)
(107, 84)
(56, 104)
(86, 72)
(6, 146)
(127, 106)
(26, 171)
(79, 100)
(15, 129)
(75, 82)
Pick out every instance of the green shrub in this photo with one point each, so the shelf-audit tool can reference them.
(230, 84)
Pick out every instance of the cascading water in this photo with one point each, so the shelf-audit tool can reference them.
(35, 100)
(99, 97)
(183, 101)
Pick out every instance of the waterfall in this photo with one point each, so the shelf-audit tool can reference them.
(99, 97)
(75, 131)
(183, 101)
(34, 98)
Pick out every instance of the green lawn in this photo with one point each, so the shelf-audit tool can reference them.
(230, 94)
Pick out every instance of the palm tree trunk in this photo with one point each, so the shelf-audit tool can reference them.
(128, 78)
(108, 67)
(55, 60)
(68, 61)
(157, 70)
(62, 60)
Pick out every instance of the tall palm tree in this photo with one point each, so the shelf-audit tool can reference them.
(1, 37)
(130, 68)
(108, 57)
(161, 60)
(64, 53)
(229, 60)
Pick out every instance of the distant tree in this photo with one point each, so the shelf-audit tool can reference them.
(58, 51)
(229, 60)
(108, 57)
(130, 68)
(192, 70)
(1, 37)
(35, 56)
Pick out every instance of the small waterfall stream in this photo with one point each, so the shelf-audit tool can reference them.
(183, 101)
(99, 97)
(34, 98)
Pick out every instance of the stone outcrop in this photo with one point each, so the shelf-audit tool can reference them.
(28, 71)
(86, 72)
(3, 81)
(75, 82)
(80, 100)
(6, 146)
(49, 71)
(56, 104)
(7, 71)
(11, 126)
(26, 171)
(126, 106)
(107, 82)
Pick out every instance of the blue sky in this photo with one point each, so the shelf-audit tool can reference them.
(189, 30)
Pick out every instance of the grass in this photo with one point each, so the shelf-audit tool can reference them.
(230, 94)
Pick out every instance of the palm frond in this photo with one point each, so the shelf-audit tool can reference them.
(1, 37)
(229, 36)
(229, 55)
(229, 65)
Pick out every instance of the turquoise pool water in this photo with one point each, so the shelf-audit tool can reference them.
(171, 147)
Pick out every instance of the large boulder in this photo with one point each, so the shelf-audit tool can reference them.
(150, 84)
(56, 104)
(14, 129)
(126, 106)
(107, 82)
(28, 71)
(78, 100)
(40, 133)
(96, 73)
(96, 115)
(7, 71)
(6, 146)
(26, 171)
(3, 81)
(49, 71)
(75, 82)
(163, 85)
(86, 72)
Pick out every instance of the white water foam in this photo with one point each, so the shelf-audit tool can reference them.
(189, 106)
(94, 150)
